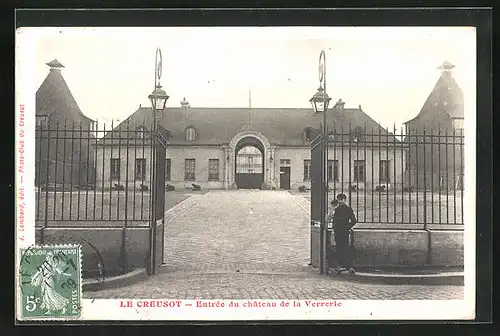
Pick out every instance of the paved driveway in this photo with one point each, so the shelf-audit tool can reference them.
(251, 245)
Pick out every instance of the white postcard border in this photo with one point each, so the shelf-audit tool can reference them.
(109, 309)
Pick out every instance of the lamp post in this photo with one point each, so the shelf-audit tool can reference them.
(320, 102)
(158, 101)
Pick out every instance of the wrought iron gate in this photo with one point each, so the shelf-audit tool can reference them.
(318, 203)
(157, 227)
(249, 168)
(103, 188)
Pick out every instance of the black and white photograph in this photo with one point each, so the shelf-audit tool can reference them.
(251, 172)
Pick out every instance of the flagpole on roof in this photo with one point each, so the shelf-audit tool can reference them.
(249, 104)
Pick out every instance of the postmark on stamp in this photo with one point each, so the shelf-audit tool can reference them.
(50, 282)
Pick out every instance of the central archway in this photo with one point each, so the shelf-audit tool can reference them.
(249, 163)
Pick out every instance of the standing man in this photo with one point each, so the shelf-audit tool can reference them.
(343, 221)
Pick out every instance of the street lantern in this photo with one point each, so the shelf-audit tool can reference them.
(320, 101)
(158, 98)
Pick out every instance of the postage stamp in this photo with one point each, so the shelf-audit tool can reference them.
(50, 282)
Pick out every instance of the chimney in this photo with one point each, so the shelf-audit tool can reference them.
(185, 107)
(446, 67)
(340, 104)
(360, 107)
(55, 65)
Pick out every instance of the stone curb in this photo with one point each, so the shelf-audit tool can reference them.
(439, 279)
(115, 281)
(180, 208)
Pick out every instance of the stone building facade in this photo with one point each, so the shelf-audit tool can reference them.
(211, 148)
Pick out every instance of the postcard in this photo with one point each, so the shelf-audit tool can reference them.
(245, 173)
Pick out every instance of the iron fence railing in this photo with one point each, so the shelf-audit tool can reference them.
(405, 179)
(99, 175)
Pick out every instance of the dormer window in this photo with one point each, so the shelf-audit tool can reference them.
(357, 134)
(308, 133)
(140, 132)
(190, 134)
(41, 121)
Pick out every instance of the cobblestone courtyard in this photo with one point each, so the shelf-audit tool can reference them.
(251, 245)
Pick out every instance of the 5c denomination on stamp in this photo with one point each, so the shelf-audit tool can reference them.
(50, 281)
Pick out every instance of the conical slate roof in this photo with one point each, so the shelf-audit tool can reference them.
(445, 96)
(54, 98)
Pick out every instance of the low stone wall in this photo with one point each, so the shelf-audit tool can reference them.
(405, 247)
(408, 247)
(105, 246)
(390, 247)
(447, 248)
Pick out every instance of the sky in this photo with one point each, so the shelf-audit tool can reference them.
(389, 71)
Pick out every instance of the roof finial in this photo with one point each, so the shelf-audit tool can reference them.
(340, 104)
(55, 65)
(184, 102)
(446, 67)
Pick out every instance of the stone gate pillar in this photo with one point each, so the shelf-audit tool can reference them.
(227, 167)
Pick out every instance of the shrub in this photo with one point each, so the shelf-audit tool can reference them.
(195, 187)
(302, 188)
(380, 188)
(170, 187)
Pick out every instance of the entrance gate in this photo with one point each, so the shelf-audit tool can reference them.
(102, 188)
(157, 227)
(249, 167)
(319, 206)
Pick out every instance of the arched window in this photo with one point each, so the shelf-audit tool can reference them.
(141, 132)
(190, 134)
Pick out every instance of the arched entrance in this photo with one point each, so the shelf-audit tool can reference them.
(249, 163)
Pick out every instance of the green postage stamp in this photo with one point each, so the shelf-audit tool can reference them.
(50, 282)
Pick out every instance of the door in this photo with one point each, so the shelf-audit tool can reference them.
(285, 178)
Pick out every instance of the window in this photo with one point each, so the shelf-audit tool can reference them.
(384, 171)
(458, 125)
(41, 121)
(140, 169)
(213, 169)
(140, 132)
(308, 133)
(189, 170)
(357, 134)
(359, 170)
(168, 168)
(285, 162)
(333, 170)
(115, 169)
(307, 170)
(190, 134)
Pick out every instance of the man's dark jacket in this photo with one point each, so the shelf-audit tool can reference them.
(343, 218)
